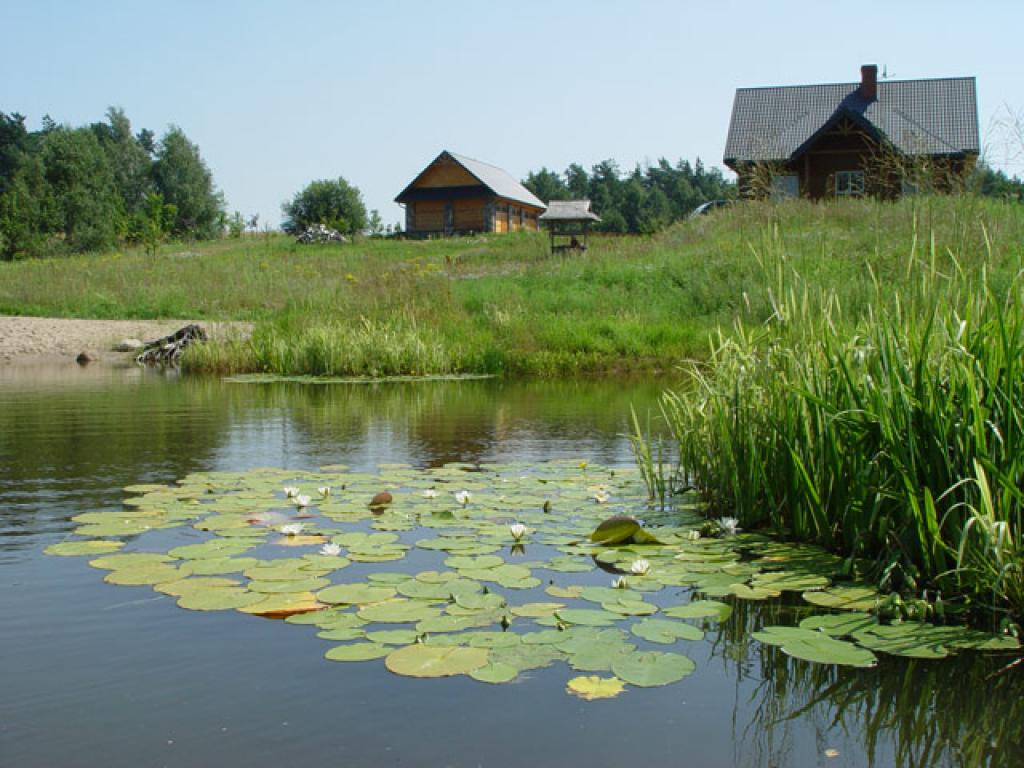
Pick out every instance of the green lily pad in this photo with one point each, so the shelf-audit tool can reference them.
(358, 652)
(700, 609)
(665, 631)
(844, 598)
(392, 636)
(839, 624)
(398, 611)
(621, 530)
(818, 647)
(79, 548)
(647, 670)
(355, 594)
(586, 617)
(432, 661)
(495, 673)
(221, 599)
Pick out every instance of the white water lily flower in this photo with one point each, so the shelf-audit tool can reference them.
(301, 501)
(729, 525)
(292, 529)
(620, 583)
(430, 493)
(324, 491)
(518, 530)
(601, 497)
(463, 497)
(693, 535)
(640, 567)
(291, 491)
(331, 550)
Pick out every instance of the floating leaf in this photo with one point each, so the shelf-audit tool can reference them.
(647, 670)
(594, 687)
(586, 617)
(844, 598)
(495, 673)
(357, 652)
(432, 661)
(700, 609)
(665, 631)
(621, 530)
(398, 611)
(79, 548)
(355, 594)
(811, 645)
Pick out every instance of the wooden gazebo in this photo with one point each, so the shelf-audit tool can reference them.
(568, 220)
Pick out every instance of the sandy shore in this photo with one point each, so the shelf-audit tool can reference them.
(24, 339)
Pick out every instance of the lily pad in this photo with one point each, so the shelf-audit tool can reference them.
(844, 598)
(818, 647)
(79, 548)
(621, 530)
(700, 609)
(355, 594)
(431, 661)
(665, 631)
(593, 687)
(647, 670)
(358, 652)
(495, 673)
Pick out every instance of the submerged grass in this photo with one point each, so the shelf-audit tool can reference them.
(884, 422)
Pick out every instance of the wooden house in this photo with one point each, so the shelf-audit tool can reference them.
(882, 138)
(457, 195)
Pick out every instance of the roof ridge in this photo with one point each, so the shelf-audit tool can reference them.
(856, 83)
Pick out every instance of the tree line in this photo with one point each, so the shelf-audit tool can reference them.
(641, 202)
(65, 189)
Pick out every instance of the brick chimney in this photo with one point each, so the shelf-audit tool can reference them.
(869, 82)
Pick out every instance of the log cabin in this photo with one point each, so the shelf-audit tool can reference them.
(458, 195)
(882, 138)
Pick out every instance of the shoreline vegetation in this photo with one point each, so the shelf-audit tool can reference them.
(854, 367)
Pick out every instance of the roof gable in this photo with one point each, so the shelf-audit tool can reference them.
(497, 181)
(918, 117)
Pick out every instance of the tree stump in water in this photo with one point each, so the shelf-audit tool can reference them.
(167, 350)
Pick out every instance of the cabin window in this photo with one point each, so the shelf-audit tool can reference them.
(785, 186)
(849, 183)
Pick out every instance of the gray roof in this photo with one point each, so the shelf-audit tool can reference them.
(491, 176)
(569, 210)
(918, 117)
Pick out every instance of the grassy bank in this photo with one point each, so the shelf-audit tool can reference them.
(882, 418)
(500, 304)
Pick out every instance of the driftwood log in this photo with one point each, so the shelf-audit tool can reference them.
(167, 350)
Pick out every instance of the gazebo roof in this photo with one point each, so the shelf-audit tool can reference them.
(569, 210)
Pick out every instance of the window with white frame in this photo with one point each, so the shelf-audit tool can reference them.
(849, 183)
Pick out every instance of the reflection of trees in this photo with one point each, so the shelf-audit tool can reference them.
(470, 421)
(919, 714)
(70, 440)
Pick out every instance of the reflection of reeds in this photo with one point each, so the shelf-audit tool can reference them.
(867, 434)
(954, 712)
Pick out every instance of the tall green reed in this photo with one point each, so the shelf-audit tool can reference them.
(893, 434)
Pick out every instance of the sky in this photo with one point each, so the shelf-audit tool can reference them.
(277, 94)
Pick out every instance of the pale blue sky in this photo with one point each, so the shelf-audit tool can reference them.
(278, 94)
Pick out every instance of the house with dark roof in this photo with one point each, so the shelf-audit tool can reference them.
(849, 139)
(456, 195)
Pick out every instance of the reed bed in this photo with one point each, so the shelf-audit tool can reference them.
(892, 434)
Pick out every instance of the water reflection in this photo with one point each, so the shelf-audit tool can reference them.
(70, 439)
(961, 711)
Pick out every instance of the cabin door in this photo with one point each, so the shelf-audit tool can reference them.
(449, 218)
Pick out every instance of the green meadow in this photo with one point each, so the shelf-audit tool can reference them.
(501, 304)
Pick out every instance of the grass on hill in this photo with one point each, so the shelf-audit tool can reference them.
(500, 304)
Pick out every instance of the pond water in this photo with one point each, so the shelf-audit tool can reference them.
(97, 674)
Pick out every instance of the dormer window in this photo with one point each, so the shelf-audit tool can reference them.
(849, 183)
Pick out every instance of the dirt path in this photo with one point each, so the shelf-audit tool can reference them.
(23, 339)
